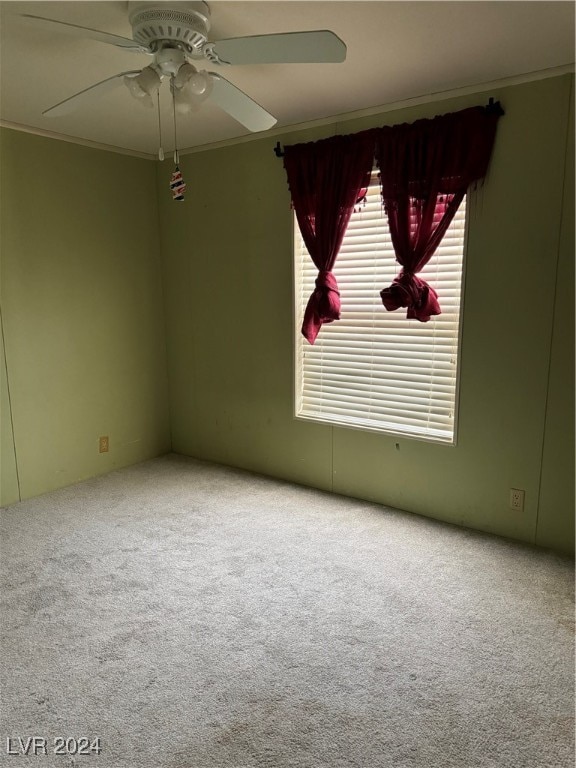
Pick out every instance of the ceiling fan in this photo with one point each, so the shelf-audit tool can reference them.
(175, 35)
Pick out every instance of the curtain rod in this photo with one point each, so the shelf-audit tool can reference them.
(493, 107)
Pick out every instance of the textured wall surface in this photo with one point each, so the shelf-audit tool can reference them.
(82, 312)
(556, 512)
(228, 276)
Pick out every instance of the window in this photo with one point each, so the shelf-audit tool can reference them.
(375, 369)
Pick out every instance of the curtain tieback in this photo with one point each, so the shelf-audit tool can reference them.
(408, 290)
(326, 282)
(327, 297)
(323, 305)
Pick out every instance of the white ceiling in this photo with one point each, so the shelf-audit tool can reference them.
(396, 51)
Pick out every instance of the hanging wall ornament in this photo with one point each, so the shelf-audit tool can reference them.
(177, 185)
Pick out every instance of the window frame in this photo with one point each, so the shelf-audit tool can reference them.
(297, 342)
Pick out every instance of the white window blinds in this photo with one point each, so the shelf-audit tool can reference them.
(375, 369)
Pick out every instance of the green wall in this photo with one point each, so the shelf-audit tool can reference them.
(83, 322)
(9, 491)
(228, 281)
(556, 512)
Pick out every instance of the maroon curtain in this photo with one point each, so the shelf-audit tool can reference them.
(326, 179)
(425, 170)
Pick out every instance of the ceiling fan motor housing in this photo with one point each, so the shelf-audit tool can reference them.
(186, 24)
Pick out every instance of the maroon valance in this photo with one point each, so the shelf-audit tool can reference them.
(425, 169)
(444, 154)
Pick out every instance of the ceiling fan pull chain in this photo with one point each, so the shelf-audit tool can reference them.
(176, 155)
(160, 150)
(177, 184)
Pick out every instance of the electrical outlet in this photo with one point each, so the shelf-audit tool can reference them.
(516, 499)
(104, 444)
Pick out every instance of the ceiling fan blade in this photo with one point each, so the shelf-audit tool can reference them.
(75, 101)
(239, 106)
(74, 29)
(320, 46)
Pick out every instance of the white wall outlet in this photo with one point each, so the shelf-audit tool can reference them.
(516, 499)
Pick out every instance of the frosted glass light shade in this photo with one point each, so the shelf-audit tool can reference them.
(144, 86)
(190, 88)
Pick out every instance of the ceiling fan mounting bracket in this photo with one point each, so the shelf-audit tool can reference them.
(184, 24)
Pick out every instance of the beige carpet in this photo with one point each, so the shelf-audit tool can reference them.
(193, 616)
